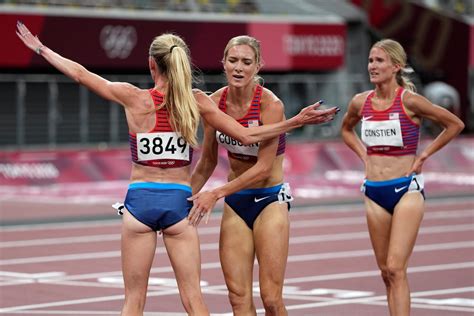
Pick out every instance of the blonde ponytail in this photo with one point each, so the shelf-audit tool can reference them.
(172, 57)
(403, 79)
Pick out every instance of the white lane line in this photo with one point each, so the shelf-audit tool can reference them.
(83, 301)
(365, 234)
(208, 246)
(374, 299)
(341, 221)
(16, 282)
(43, 275)
(327, 302)
(61, 226)
(454, 301)
(295, 212)
(294, 224)
(60, 241)
(369, 252)
(93, 313)
(376, 273)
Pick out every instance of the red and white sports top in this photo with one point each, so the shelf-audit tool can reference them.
(235, 148)
(390, 132)
(161, 147)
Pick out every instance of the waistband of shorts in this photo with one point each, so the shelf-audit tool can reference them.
(389, 182)
(161, 186)
(274, 189)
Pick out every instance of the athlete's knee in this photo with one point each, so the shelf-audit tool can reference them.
(272, 300)
(240, 300)
(237, 299)
(272, 304)
(384, 274)
(395, 272)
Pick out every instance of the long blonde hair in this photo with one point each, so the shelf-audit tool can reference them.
(171, 54)
(398, 56)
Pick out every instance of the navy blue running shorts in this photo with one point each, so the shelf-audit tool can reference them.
(158, 205)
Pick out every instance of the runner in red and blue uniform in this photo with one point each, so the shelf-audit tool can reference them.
(162, 124)
(390, 117)
(255, 222)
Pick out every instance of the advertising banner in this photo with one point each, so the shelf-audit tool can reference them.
(112, 44)
(321, 168)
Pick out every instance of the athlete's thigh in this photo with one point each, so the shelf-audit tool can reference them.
(138, 241)
(182, 244)
(271, 235)
(379, 223)
(406, 222)
(236, 251)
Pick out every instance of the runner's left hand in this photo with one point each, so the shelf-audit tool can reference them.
(313, 115)
(203, 203)
(30, 40)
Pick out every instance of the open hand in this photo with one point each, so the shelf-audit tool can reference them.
(312, 115)
(203, 203)
(30, 40)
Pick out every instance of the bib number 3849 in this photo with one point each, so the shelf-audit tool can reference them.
(169, 145)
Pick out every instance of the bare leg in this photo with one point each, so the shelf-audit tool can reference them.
(271, 233)
(405, 225)
(237, 256)
(182, 243)
(379, 222)
(138, 241)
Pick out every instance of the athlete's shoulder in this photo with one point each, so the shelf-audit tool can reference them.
(270, 99)
(416, 104)
(356, 103)
(358, 100)
(411, 98)
(360, 97)
(216, 95)
(199, 93)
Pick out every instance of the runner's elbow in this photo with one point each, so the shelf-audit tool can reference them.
(264, 172)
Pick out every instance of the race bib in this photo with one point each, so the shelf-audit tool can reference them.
(165, 145)
(284, 195)
(236, 147)
(382, 133)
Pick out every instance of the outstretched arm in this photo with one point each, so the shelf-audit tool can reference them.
(113, 91)
(247, 136)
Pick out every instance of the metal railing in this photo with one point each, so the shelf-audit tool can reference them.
(52, 110)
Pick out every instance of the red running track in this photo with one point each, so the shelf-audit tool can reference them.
(73, 268)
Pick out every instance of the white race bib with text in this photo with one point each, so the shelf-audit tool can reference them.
(164, 145)
(382, 133)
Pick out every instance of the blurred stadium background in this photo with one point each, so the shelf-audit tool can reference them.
(64, 156)
(56, 133)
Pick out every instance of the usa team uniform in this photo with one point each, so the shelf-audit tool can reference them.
(249, 203)
(159, 205)
(391, 133)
